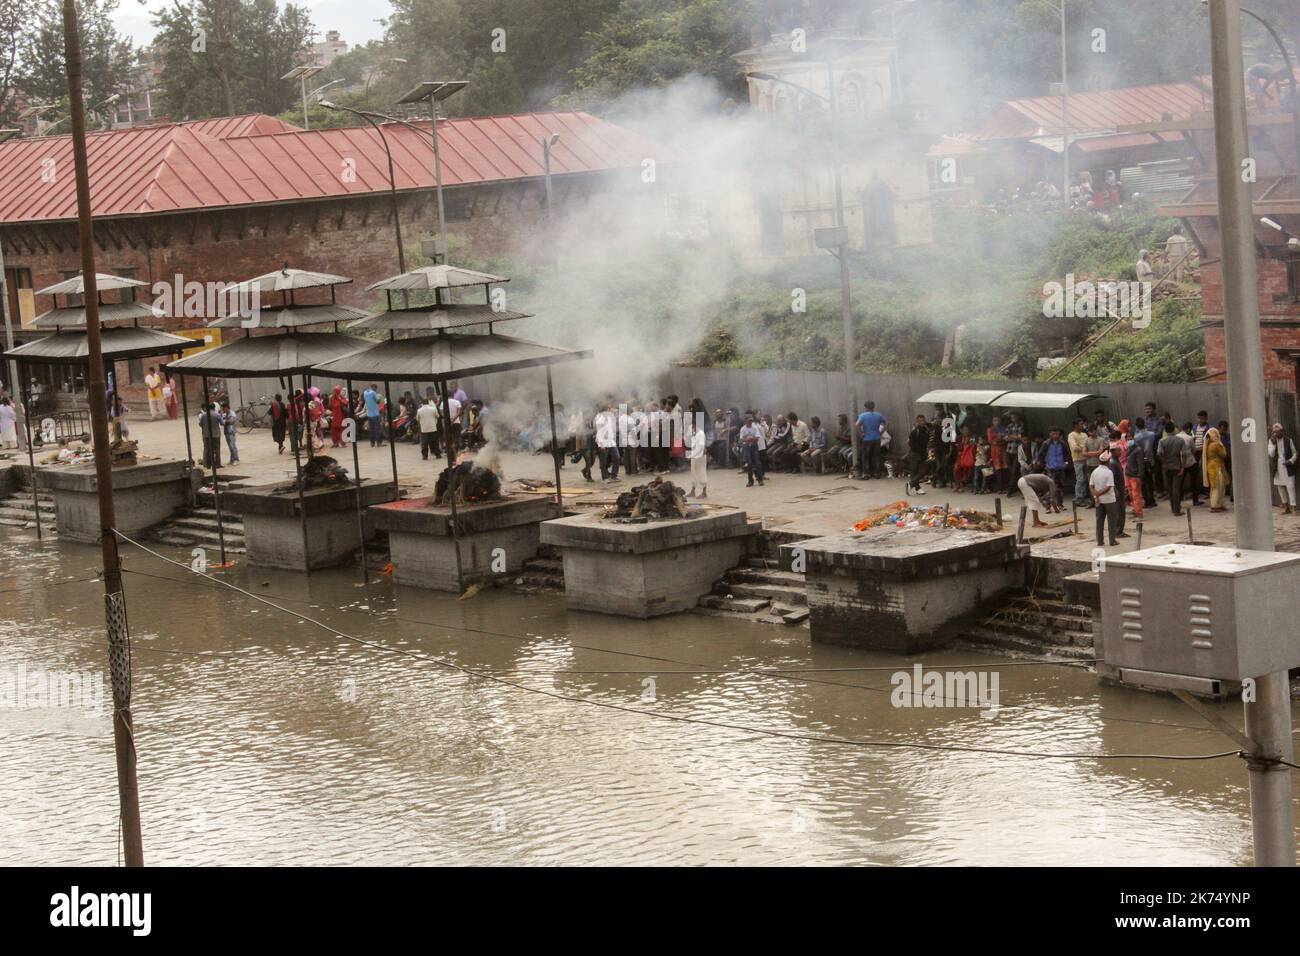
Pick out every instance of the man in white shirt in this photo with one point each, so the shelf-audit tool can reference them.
(605, 425)
(453, 433)
(752, 444)
(427, 418)
(1102, 486)
(698, 455)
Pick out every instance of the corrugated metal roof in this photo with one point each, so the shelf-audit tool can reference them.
(291, 318)
(108, 312)
(70, 348)
(1043, 399)
(158, 169)
(249, 124)
(103, 283)
(437, 319)
(960, 396)
(1101, 110)
(268, 356)
(435, 277)
(286, 279)
(433, 358)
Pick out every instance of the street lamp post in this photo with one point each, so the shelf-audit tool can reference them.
(547, 141)
(435, 92)
(302, 74)
(392, 179)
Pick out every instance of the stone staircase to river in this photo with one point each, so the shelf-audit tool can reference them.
(1036, 623)
(17, 511)
(757, 590)
(198, 528)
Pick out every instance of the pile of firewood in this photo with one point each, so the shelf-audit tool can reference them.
(122, 453)
(655, 500)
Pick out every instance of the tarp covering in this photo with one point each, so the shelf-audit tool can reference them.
(961, 396)
(292, 317)
(268, 356)
(108, 312)
(432, 358)
(1043, 399)
(70, 348)
(436, 318)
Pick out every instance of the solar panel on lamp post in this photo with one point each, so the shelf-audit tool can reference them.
(435, 91)
(302, 74)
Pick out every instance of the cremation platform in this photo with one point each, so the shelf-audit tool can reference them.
(495, 537)
(646, 570)
(893, 589)
(273, 523)
(144, 496)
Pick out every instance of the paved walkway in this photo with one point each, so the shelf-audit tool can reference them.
(802, 503)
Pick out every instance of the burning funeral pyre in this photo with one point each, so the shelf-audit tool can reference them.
(322, 471)
(657, 500)
(469, 482)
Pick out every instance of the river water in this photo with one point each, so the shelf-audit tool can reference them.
(264, 739)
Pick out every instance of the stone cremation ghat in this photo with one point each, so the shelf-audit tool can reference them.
(645, 570)
(495, 537)
(144, 496)
(273, 523)
(892, 589)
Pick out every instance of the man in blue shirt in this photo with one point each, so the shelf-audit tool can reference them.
(869, 423)
(1055, 454)
(1146, 439)
(371, 397)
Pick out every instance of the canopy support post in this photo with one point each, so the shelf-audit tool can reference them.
(31, 460)
(556, 453)
(449, 447)
(297, 468)
(215, 454)
(356, 471)
(392, 441)
(185, 413)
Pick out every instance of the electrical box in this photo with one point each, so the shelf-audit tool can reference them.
(1220, 613)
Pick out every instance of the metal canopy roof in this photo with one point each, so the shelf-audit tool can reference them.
(286, 279)
(268, 356)
(437, 318)
(1043, 399)
(961, 396)
(291, 317)
(108, 312)
(433, 358)
(103, 283)
(70, 348)
(435, 277)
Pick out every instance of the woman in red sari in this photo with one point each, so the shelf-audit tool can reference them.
(998, 453)
(338, 414)
(965, 467)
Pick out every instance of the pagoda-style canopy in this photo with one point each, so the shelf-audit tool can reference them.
(436, 358)
(438, 318)
(74, 317)
(103, 283)
(289, 280)
(71, 348)
(292, 317)
(434, 277)
(268, 356)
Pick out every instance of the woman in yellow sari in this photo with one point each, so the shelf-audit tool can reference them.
(1215, 457)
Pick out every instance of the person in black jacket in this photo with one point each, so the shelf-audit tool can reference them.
(918, 454)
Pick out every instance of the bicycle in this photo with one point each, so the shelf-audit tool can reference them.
(253, 415)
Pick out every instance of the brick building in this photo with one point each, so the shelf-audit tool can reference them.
(1275, 148)
(226, 199)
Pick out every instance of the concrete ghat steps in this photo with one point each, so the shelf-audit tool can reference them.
(757, 591)
(16, 511)
(1042, 623)
(545, 572)
(199, 528)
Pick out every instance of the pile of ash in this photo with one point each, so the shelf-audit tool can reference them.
(469, 482)
(657, 500)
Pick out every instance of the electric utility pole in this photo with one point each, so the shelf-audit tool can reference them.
(119, 657)
(1268, 716)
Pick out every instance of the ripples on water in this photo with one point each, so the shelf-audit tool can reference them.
(266, 740)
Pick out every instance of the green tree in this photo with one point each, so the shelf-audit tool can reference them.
(107, 57)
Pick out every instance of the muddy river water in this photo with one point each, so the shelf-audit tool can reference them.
(264, 739)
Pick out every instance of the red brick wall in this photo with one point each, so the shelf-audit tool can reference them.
(355, 239)
(1273, 337)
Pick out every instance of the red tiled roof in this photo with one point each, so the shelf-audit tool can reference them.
(189, 166)
(1104, 110)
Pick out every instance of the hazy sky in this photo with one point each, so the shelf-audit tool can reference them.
(355, 21)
